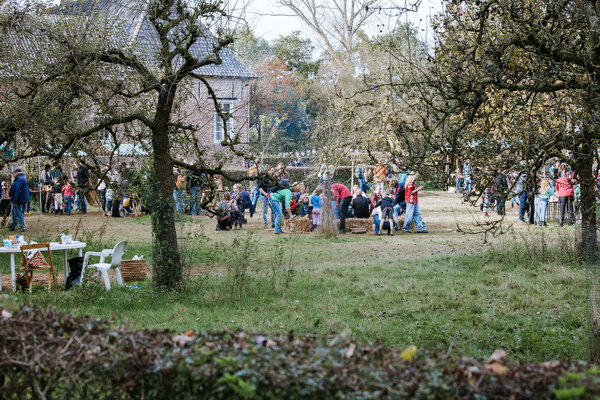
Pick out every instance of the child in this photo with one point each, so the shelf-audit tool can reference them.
(387, 211)
(226, 208)
(242, 201)
(68, 197)
(58, 197)
(304, 205)
(293, 206)
(544, 194)
(315, 202)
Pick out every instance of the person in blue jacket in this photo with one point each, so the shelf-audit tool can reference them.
(19, 197)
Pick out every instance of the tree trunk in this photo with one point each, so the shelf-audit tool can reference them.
(589, 246)
(167, 271)
(327, 224)
(587, 180)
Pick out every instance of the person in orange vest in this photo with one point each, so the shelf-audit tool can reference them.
(380, 175)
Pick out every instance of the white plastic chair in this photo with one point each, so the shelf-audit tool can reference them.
(115, 254)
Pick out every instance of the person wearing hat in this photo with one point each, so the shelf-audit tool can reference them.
(19, 197)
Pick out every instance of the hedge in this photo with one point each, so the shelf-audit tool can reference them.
(52, 355)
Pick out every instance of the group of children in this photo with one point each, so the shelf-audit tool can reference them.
(296, 201)
(232, 206)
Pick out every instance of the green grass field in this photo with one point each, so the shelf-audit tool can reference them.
(445, 291)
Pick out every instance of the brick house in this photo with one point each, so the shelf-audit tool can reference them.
(229, 80)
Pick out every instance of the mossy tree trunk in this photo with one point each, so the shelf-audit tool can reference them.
(166, 264)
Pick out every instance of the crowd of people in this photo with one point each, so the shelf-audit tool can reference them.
(390, 199)
(529, 191)
(61, 192)
(57, 192)
(380, 194)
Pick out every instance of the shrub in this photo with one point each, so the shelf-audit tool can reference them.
(46, 354)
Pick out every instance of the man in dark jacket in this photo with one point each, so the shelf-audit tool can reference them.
(19, 197)
(500, 192)
(360, 205)
(83, 184)
(45, 183)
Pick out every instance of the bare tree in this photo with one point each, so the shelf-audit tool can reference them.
(335, 22)
(126, 68)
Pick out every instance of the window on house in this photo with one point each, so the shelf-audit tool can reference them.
(219, 131)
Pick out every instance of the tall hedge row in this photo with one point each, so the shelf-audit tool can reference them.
(52, 355)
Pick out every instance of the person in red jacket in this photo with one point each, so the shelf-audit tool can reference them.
(413, 212)
(566, 196)
(343, 197)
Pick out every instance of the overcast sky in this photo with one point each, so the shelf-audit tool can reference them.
(269, 21)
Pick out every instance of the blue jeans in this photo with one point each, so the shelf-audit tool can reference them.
(398, 209)
(68, 200)
(522, 205)
(82, 203)
(18, 216)
(195, 201)
(458, 184)
(266, 202)
(500, 205)
(468, 185)
(542, 206)
(276, 206)
(363, 185)
(179, 205)
(413, 214)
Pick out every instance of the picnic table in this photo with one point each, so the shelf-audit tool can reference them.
(54, 246)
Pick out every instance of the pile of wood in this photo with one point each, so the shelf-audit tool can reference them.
(297, 224)
(359, 223)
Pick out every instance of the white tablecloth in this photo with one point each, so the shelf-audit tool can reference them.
(54, 246)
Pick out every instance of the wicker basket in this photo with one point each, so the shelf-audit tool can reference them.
(133, 270)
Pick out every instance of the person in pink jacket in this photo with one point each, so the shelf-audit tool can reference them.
(566, 196)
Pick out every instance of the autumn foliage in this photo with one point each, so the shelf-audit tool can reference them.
(47, 354)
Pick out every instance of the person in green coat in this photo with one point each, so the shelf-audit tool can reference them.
(276, 198)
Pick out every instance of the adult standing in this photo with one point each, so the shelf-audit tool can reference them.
(264, 187)
(360, 176)
(45, 187)
(83, 185)
(283, 195)
(73, 180)
(500, 192)
(343, 197)
(521, 191)
(380, 175)
(197, 182)
(102, 196)
(55, 172)
(19, 197)
(566, 196)
(411, 196)
(254, 192)
(467, 178)
(361, 205)
(178, 192)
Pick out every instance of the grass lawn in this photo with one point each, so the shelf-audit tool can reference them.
(444, 291)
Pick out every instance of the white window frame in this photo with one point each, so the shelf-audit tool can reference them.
(218, 123)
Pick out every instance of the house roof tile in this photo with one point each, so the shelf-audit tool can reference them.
(144, 38)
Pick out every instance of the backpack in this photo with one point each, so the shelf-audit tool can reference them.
(282, 184)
